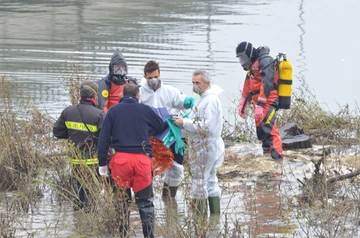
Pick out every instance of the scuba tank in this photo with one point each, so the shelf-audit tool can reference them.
(284, 81)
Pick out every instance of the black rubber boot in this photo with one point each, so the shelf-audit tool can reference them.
(144, 201)
(266, 149)
(167, 190)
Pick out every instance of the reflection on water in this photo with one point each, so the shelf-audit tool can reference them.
(301, 61)
(49, 218)
(37, 38)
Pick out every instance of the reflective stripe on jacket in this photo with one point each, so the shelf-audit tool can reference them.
(70, 125)
(84, 161)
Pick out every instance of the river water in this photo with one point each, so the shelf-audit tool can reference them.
(37, 38)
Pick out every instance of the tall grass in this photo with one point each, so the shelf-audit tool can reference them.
(24, 143)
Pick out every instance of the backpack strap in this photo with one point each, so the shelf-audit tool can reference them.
(82, 119)
(252, 93)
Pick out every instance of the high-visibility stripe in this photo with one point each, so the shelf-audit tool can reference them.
(80, 126)
(270, 117)
(84, 161)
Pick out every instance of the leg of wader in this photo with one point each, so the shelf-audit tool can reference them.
(266, 149)
(214, 204)
(144, 200)
(122, 210)
(270, 135)
(264, 138)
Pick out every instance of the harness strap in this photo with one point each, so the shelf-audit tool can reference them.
(252, 93)
(282, 81)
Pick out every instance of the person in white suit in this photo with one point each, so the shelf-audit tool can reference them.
(206, 147)
(156, 94)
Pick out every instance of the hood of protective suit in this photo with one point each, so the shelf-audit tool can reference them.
(263, 50)
(213, 89)
(116, 59)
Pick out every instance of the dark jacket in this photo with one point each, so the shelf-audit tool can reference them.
(126, 128)
(71, 126)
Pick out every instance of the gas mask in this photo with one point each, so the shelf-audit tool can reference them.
(245, 61)
(154, 83)
(197, 89)
(119, 77)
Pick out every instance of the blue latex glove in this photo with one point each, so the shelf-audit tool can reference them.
(175, 132)
(168, 139)
(189, 102)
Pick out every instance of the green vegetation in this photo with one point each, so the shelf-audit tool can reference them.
(322, 126)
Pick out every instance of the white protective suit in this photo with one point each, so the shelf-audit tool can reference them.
(169, 97)
(206, 147)
(165, 96)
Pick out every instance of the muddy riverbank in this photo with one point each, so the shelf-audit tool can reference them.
(246, 159)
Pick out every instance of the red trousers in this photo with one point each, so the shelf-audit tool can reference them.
(131, 170)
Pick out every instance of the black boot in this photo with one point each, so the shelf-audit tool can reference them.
(144, 201)
(167, 190)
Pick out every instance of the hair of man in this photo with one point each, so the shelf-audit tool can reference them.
(151, 66)
(131, 90)
(204, 75)
(88, 89)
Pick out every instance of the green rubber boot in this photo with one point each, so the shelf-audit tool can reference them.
(200, 206)
(214, 204)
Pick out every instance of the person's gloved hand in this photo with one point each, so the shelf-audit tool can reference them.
(168, 139)
(189, 102)
(241, 105)
(259, 113)
(103, 171)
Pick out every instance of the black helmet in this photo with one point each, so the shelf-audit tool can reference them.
(248, 49)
